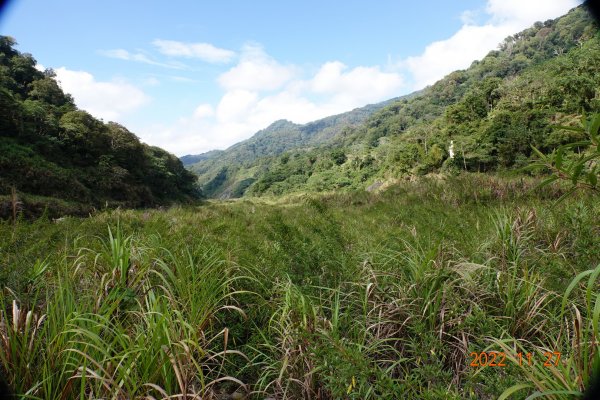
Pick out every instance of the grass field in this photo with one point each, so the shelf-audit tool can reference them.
(360, 295)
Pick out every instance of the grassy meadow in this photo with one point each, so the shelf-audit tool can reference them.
(332, 296)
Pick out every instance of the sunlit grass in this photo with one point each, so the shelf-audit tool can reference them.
(334, 296)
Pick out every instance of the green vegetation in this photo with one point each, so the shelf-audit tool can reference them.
(492, 113)
(576, 162)
(50, 151)
(228, 174)
(454, 285)
(348, 295)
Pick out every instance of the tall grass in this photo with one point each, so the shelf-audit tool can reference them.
(571, 375)
(146, 330)
(337, 296)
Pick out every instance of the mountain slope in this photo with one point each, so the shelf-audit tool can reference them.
(225, 173)
(50, 148)
(491, 113)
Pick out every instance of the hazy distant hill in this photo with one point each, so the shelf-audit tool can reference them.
(492, 112)
(192, 159)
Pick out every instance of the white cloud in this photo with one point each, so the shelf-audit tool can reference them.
(193, 135)
(234, 105)
(256, 71)
(203, 111)
(458, 52)
(473, 42)
(106, 100)
(259, 90)
(290, 106)
(468, 17)
(151, 81)
(358, 86)
(203, 51)
(123, 54)
(525, 13)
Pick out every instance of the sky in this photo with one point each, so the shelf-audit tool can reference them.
(192, 76)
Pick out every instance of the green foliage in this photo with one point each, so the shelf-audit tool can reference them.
(148, 335)
(570, 377)
(338, 156)
(575, 162)
(50, 148)
(266, 147)
(493, 112)
(344, 295)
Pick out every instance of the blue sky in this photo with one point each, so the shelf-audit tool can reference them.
(191, 76)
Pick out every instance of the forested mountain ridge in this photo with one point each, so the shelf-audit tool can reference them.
(491, 112)
(50, 148)
(223, 173)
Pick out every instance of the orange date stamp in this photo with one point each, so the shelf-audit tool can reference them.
(501, 359)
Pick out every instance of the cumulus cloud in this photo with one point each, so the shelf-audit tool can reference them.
(193, 135)
(458, 52)
(357, 86)
(204, 51)
(238, 115)
(256, 71)
(524, 13)
(260, 90)
(473, 42)
(123, 54)
(203, 111)
(234, 105)
(106, 100)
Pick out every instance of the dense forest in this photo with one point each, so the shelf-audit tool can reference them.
(58, 153)
(491, 114)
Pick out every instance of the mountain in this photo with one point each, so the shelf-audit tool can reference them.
(491, 114)
(225, 173)
(194, 158)
(52, 153)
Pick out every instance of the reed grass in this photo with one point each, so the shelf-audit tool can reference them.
(359, 296)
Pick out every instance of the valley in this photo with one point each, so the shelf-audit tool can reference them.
(438, 245)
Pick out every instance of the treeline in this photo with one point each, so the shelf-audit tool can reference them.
(491, 113)
(50, 148)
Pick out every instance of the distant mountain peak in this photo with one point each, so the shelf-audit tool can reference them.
(277, 125)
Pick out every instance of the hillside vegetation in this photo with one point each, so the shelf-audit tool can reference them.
(356, 295)
(229, 173)
(492, 113)
(55, 154)
(472, 285)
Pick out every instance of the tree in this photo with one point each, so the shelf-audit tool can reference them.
(338, 156)
(47, 90)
